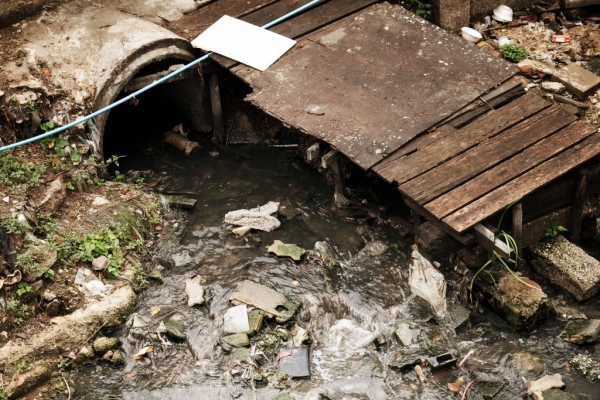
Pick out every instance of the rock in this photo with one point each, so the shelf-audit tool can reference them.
(25, 97)
(100, 201)
(326, 254)
(182, 259)
(406, 335)
(586, 366)
(50, 198)
(117, 357)
(235, 320)
(86, 353)
(174, 326)
(581, 331)
(295, 362)
(544, 383)
(565, 311)
(553, 87)
(194, 291)
(53, 308)
(457, 315)
(523, 307)
(48, 296)
(257, 218)
(255, 321)
(100, 263)
(103, 344)
(567, 266)
(241, 231)
(95, 287)
(526, 364)
(557, 394)
(433, 240)
(22, 383)
(346, 338)
(1, 94)
(108, 355)
(43, 257)
(236, 340)
(577, 79)
(281, 249)
(37, 285)
(534, 67)
(301, 335)
(264, 298)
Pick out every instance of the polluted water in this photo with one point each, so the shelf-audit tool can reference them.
(340, 323)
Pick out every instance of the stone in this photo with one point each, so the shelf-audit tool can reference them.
(523, 307)
(406, 335)
(100, 263)
(577, 79)
(194, 291)
(326, 254)
(175, 327)
(295, 362)
(458, 315)
(50, 198)
(564, 310)
(586, 366)
(53, 308)
(536, 67)
(241, 231)
(25, 97)
(48, 296)
(108, 355)
(236, 340)
(557, 394)
(264, 298)
(300, 335)
(100, 201)
(104, 344)
(404, 360)
(434, 241)
(544, 383)
(37, 286)
(553, 87)
(526, 364)
(281, 249)
(566, 266)
(581, 331)
(255, 321)
(256, 218)
(117, 357)
(86, 353)
(182, 259)
(43, 259)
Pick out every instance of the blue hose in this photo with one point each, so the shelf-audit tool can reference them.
(150, 86)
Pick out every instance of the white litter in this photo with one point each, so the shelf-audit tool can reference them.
(256, 218)
(428, 283)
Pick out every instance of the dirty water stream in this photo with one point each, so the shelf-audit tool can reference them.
(351, 310)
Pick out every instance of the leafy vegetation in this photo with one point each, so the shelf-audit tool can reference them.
(17, 311)
(555, 229)
(494, 256)
(513, 52)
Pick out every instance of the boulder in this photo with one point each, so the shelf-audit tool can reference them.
(567, 266)
(42, 257)
(50, 198)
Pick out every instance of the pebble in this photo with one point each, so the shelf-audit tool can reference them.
(103, 344)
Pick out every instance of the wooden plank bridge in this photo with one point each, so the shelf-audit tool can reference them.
(446, 122)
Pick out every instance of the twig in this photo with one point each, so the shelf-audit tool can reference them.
(464, 396)
(66, 383)
(95, 332)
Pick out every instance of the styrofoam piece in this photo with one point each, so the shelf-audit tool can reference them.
(235, 320)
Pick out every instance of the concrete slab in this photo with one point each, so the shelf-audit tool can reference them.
(567, 266)
(577, 79)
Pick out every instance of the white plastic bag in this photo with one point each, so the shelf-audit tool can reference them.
(428, 283)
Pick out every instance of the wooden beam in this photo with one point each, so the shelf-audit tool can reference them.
(215, 101)
(517, 226)
(487, 239)
(333, 161)
(465, 238)
(578, 205)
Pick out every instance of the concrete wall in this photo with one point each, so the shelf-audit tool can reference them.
(12, 11)
(452, 15)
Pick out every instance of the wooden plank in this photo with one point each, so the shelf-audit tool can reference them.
(494, 98)
(191, 25)
(450, 146)
(494, 201)
(414, 145)
(499, 175)
(300, 25)
(465, 238)
(368, 95)
(488, 240)
(486, 155)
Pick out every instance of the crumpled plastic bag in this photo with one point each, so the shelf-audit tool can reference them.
(428, 283)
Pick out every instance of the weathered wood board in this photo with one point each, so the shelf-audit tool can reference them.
(369, 83)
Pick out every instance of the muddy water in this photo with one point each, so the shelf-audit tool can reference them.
(343, 307)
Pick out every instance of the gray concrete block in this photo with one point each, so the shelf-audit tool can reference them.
(567, 266)
(577, 79)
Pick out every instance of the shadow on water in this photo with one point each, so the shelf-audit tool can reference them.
(343, 307)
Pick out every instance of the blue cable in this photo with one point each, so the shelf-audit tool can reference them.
(150, 86)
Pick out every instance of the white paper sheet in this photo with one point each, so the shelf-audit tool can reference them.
(243, 42)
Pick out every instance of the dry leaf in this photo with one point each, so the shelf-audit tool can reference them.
(143, 352)
(155, 310)
(456, 385)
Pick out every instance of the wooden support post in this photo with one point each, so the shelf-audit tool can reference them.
(333, 161)
(215, 101)
(577, 215)
(487, 239)
(517, 226)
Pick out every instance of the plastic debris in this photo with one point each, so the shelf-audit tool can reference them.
(428, 283)
(194, 291)
(256, 218)
(235, 320)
